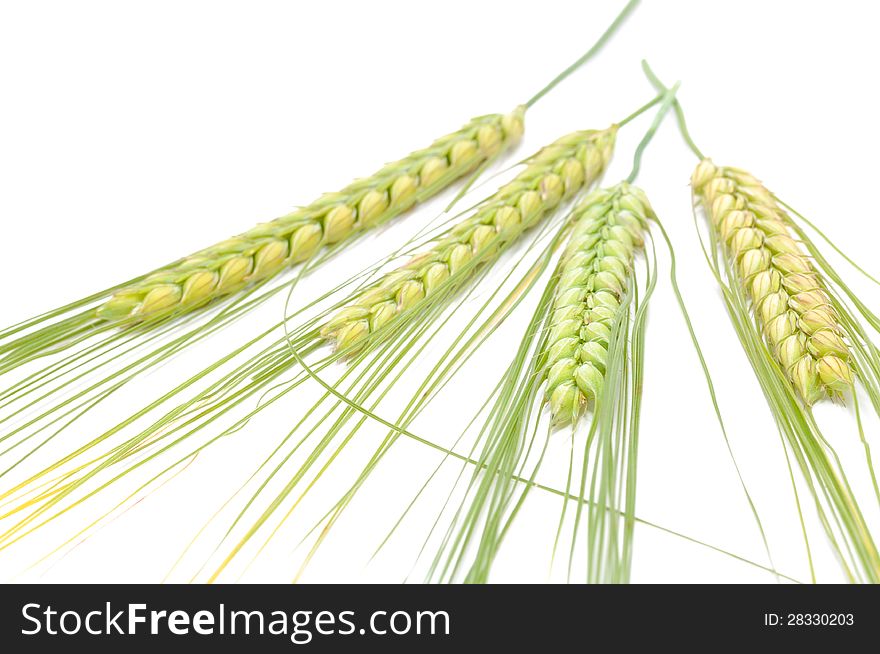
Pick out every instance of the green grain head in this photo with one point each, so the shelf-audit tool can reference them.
(789, 300)
(551, 176)
(269, 248)
(595, 273)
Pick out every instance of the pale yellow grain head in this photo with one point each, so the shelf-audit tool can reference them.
(305, 241)
(338, 224)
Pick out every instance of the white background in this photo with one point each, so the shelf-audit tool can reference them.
(133, 133)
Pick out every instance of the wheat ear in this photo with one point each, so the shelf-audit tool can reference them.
(595, 273)
(788, 296)
(551, 176)
(236, 267)
(267, 249)
(805, 313)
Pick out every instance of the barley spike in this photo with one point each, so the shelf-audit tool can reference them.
(787, 294)
(594, 273)
(552, 175)
(262, 252)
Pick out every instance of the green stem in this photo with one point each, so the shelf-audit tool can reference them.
(638, 112)
(679, 112)
(588, 54)
(667, 99)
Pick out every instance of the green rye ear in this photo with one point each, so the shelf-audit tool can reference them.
(233, 266)
(805, 344)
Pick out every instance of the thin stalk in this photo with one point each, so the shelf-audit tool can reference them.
(679, 112)
(666, 100)
(638, 112)
(603, 39)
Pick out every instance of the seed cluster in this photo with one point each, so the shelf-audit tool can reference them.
(595, 272)
(265, 250)
(798, 320)
(552, 175)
